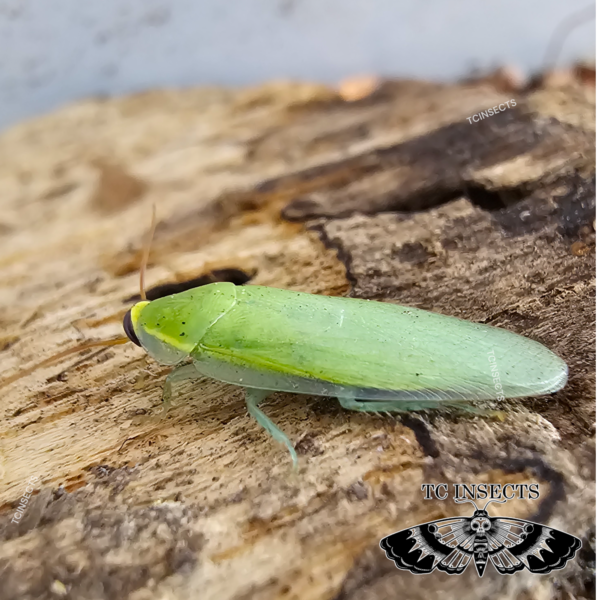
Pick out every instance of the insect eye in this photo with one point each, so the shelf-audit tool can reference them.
(128, 327)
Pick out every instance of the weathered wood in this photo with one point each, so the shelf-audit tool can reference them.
(397, 198)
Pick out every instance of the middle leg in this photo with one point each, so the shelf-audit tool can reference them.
(253, 398)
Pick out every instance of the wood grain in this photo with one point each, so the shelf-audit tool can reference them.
(395, 197)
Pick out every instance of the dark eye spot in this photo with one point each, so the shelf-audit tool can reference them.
(183, 322)
(181, 334)
(128, 327)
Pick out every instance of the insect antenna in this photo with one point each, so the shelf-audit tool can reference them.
(146, 254)
(497, 501)
(56, 357)
(465, 500)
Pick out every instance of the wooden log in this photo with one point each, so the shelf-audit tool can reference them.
(394, 197)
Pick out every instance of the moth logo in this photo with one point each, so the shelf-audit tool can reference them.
(511, 545)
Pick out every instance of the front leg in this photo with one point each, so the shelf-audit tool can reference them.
(253, 398)
(179, 373)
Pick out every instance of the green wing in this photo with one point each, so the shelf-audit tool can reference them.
(290, 341)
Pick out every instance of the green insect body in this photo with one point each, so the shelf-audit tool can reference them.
(372, 356)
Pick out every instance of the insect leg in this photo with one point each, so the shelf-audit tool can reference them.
(399, 406)
(386, 406)
(481, 412)
(253, 398)
(181, 373)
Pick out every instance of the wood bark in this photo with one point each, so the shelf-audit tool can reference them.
(397, 198)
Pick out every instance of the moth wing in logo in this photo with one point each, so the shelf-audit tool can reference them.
(446, 545)
(509, 544)
(515, 544)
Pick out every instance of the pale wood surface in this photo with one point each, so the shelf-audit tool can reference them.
(394, 198)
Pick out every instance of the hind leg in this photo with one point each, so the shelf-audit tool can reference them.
(386, 406)
(253, 398)
(405, 406)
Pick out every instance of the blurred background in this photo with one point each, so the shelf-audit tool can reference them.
(52, 53)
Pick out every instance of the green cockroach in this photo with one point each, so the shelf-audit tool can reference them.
(372, 356)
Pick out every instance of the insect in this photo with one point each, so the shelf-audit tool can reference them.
(371, 356)
(509, 544)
